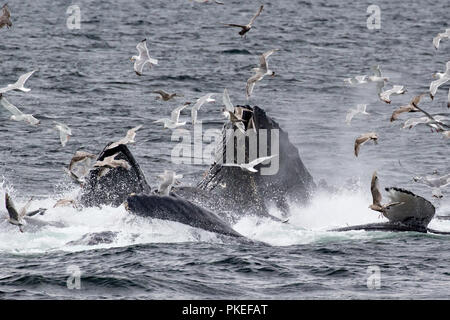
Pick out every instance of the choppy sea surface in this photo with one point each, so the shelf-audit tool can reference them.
(85, 78)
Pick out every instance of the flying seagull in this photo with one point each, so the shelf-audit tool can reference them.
(19, 84)
(17, 218)
(129, 138)
(18, 115)
(436, 183)
(360, 108)
(378, 79)
(442, 78)
(376, 197)
(363, 139)
(169, 178)
(200, 102)
(260, 72)
(111, 162)
(357, 80)
(439, 37)
(407, 108)
(250, 166)
(173, 122)
(228, 112)
(5, 17)
(79, 166)
(412, 122)
(246, 28)
(164, 95)
(64, 132)
(395, 90)
(435, 121)
(143, 58)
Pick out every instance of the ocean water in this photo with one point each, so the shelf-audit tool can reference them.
(85, 78)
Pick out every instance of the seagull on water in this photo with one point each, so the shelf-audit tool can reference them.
(18, 115)
(64, 132)
(173, 122)
(143, 58)
(260, 72)
(246, 28)
(200, 102)
(376, 197)
(439, 37)
(408, 108)
(165, 96)
(395, 90)
(19, 84)
(129, 138)
(363, 139)
(360, 108)
(169, 178)
(442, 78)
(5, 17)
(250, 166)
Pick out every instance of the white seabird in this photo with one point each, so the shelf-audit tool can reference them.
(229, 113)
(111, 162)
(439, 37)
(260, 72)
(443, 78)
(169, 178)
(173, 122)
(436, 183)
(360, 108)
(19, 84)
(143, 58)
(18, 115)
(200, 102)
(64, 132)
(395, 90)
(250, 166)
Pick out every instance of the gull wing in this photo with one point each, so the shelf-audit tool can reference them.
(234, 25)
(175, 115)
(251, 83)
(25, 208)
(23, 78)
(255, 16)
(375, 189)
(350, 114)
(11, 108)
(132, 132)
(264, 57)
(227, 101)
(376, 70)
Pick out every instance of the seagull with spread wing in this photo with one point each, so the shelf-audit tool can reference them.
(395, 90)
(19, 84)
(443, 77)
(200, 102)
(408, 108)
(363, 139)
(246, 28)
(376, 197)
(439, 37)
(129, 138)
(260, 72)
(173, 122)
(18, 115)
(143, 58)
(17, 218)
(250, 166)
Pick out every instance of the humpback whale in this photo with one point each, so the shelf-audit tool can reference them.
(224, 194)
(414, 214)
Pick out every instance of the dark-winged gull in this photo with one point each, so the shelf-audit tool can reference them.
(246, 28)
(376, 197)
(408, 108)
(165, 96)
(363, 139)
(5, 18)
(18, 218)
